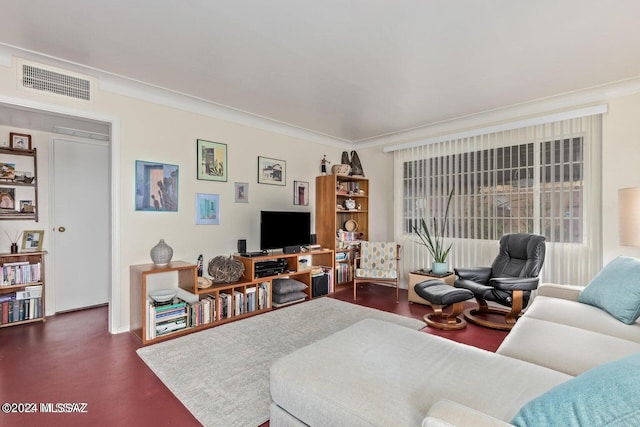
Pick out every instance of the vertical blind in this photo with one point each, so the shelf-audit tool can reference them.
(543, 179)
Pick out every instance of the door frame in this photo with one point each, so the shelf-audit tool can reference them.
(115, 323)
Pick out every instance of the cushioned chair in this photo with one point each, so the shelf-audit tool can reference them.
(378, 264)
(509, 281)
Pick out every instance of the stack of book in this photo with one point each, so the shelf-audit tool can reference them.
(167, 317)
(21, 305)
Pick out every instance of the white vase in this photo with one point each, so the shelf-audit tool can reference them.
(161, 253)
(439, 267)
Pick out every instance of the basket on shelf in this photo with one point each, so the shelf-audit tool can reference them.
(224, 269)
(341, 169)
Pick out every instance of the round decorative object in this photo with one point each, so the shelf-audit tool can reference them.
(161, 253)
(163, 295)
(224, 269)
(350, 204)
(204, 282)
(351, 225)
(340, 169)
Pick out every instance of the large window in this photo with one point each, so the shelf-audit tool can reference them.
(496, 190)
(543, 179)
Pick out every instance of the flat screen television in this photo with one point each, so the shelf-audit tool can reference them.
(279, 229)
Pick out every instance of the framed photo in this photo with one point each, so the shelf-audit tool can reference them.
(241, 193)
(20, 141)
(32, 240)
(156, 187)
(272, 171)
(212, 161)
(7, 171)
(207, 208)
(301, 193)
(26, 206)
(7, 198)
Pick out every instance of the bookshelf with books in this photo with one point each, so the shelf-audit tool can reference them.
(342, 219)
(22, 296)
(195, 308)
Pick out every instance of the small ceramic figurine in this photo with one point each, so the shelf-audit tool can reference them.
(324, 162)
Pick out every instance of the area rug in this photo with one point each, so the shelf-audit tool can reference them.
(222, 374)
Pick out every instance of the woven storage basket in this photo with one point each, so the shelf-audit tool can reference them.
(224, 269)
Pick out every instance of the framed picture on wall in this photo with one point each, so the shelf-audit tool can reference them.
(207, 208)
(212, 161)
(272, 171)
(156, 187)
(20, 141)
(241, 192)
(301, 193)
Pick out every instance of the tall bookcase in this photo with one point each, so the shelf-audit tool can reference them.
(250, 292)
(339, 225)
(22, 293)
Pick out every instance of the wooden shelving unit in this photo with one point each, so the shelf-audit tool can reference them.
(6, 156)
(332, 215)
(247, 287)
(12, 266)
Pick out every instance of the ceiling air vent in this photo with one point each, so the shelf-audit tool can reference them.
(59, 83)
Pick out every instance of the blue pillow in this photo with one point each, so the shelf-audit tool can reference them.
(616, 289)
(608, 395)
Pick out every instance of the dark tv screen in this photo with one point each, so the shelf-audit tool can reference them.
(280, 228)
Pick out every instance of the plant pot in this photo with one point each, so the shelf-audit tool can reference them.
(439, 267)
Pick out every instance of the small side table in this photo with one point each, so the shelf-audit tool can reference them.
(420, 276)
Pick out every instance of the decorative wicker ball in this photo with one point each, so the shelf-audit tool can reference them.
(224, 269)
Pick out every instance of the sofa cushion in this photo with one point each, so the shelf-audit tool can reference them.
(563, 348)
(583, 316)
(379, 373)
(616, 289)
(605, 395)
(285, 285)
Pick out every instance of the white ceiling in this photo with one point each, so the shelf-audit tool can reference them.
(354, 70)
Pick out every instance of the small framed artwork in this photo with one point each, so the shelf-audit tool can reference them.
(272, 171)
(7, 198)
(7, 171)
(32, 240)
(212, 161)
(241, 194)
(26, 206)
(156, 187)
(207, 208)
(301, 193)
(20, 141)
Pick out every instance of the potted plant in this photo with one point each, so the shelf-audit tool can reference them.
(433, 239)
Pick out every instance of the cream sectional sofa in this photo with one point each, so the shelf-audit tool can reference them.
(379, 374)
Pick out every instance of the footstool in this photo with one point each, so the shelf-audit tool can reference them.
(440, 295)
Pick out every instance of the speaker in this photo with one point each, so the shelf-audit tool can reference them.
(292, 249)
(314, 239)
(242, 246)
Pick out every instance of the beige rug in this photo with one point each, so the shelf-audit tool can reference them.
(222, 374)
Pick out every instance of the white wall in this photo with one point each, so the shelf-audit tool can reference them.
(153, 132)
(620, 168)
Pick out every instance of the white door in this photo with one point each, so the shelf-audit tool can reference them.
(81, 224)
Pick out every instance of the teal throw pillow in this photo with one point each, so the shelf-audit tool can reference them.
(616, 289)
(607, 395)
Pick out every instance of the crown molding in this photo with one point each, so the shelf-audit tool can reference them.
(554, 104)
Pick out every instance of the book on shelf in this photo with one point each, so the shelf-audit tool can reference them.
(13, 309)
(171, 326)
(251, 299)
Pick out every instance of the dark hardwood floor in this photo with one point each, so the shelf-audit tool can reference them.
(72, 358)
